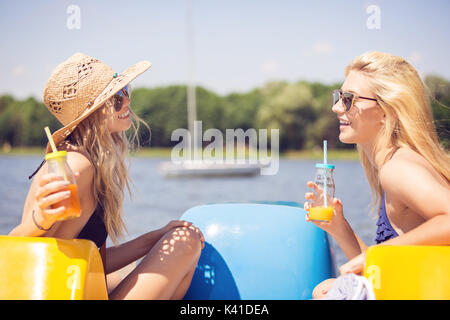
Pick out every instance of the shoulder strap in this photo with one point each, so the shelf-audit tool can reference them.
(394, 153)
(40, 166)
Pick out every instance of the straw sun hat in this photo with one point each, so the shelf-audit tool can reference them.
(79, 86)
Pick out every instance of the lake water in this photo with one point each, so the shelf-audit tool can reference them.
(157, 200)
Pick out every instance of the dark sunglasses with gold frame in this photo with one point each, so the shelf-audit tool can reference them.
(119, 97)
(348, 98)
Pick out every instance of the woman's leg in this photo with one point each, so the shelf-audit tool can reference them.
(166, 271)
(114, 278)
(180, 292)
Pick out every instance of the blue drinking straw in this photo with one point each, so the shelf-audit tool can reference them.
(325, 183)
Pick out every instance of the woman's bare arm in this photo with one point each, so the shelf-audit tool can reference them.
(421, 190)
(338, 227)
(38, 217)
(47, 189)
(121, 255)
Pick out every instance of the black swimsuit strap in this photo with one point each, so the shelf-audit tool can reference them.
(40, 166)
(394, 153)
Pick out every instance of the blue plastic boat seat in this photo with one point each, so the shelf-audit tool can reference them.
(258, 251)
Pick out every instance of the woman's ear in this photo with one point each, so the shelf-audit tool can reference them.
(383, 119)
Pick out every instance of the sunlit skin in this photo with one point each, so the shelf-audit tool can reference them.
(416, 196)
(170, 254)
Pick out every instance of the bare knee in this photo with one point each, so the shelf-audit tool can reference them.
(182, 240)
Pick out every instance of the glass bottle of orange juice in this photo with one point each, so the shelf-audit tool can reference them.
(321, 210)
(57, 163)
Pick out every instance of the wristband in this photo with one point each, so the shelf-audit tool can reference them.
(37, 224)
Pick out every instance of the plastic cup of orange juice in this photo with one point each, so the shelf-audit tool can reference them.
(57, 163)
(320, 208)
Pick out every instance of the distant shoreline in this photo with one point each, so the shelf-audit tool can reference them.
(342, 154)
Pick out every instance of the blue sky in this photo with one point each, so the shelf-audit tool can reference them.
(238, 45)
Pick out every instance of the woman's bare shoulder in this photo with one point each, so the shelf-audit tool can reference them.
(407, 168)
(406, 155)
(410, 180)
(80, 163)
(79, 159)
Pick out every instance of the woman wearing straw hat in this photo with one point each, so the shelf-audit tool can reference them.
(92, 102)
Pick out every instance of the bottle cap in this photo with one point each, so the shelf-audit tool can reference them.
(322, 165)
(55, 155)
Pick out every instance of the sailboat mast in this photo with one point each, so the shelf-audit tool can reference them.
(191, 98)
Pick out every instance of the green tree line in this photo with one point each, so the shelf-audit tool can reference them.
(301, 110)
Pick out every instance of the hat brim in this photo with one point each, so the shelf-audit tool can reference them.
(114, 86)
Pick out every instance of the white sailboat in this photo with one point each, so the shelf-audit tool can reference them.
(203, 169)
(200, 168)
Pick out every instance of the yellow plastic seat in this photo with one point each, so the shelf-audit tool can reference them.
(409, 272)
(49, 268)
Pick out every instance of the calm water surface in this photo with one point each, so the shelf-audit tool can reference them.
(157, 200)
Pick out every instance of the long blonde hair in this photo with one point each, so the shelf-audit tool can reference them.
(107, 152)
(405, 101)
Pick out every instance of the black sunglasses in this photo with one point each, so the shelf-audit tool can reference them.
(119, 97)
(348, 98)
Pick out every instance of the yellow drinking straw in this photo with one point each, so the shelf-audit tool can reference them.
(52, 144)
(50, 139)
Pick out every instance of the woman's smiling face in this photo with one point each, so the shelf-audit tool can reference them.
(119, 120)
(364, 120)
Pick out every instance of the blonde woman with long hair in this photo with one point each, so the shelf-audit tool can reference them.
(93, 104)
(383, 107)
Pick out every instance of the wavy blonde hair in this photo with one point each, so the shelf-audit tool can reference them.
(409, 123)
(108, 153)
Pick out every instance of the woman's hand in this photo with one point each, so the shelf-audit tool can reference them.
(337, 223)
(356, 265)
(316, 196)
(180, 224)
(52, 189)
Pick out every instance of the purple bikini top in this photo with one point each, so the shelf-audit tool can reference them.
(385, 231)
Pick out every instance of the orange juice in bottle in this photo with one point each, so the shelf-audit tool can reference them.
(57, 163)
(321, 209)
(321, 213)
